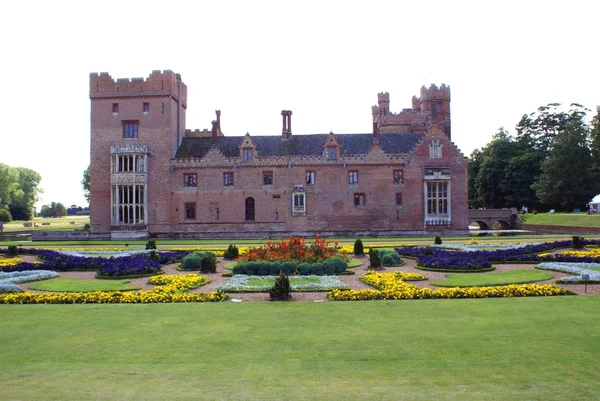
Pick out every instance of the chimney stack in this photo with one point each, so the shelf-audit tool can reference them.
(218, 112)
(376, 132)
(215, 132)
(286, 131)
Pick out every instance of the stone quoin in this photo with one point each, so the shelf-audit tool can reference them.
(152, 177)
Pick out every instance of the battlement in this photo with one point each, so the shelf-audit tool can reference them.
(435, 92)
(383, 97)
(158, 83)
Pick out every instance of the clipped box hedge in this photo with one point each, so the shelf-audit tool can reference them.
(329, 267)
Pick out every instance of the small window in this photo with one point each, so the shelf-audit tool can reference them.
(398, 199)
(398, 177)
(190, 211)
(146, 107)
(277, 196)
(353, 177)
(190, 180)
(359, 199)
(247, 154)
(267, 178)
(435, 149)
(130, 129)
(310, 178)
(228, 179)
(115, 107)
(331, 153)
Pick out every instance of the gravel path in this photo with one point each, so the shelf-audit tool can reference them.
(353, 281)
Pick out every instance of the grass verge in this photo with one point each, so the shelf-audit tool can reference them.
(80, 285)
(497, 349)
(491, 279)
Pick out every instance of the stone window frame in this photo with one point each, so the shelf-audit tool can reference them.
(190, 180)
(360, 199)
(268, 177)
(353, 177)
(331, 152)
(228, 179)
(189, 209)
(437, 198)
(398, 177)
(435, 149)
(247, 154)
(311, 177)
(131, 129)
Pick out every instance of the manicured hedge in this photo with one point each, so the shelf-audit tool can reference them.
(329, 267)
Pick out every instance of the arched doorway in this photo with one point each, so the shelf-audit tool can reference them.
(249, 209)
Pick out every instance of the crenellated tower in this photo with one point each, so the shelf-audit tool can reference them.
(431, 108)
(136, 127)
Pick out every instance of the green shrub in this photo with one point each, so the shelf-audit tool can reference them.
(289, 268)
(427, 251)
(154, 256)
(328, 269)
(151, 244)
(389, 258)
(192, 261)
(316, 269)
(374, 259)
(358, 247)
(339, 266)
(209, 262)
(12, 250)
(5, 216)
(304, 269)
(232, 252)
(282, 290)
(577, 242)
(264, 269)
(275, 269)
(437, 241)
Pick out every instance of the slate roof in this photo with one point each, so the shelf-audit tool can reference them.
(299, 145)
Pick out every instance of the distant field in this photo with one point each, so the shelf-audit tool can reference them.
(51, 224)
(563, 219)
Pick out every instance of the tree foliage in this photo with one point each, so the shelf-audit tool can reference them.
(19, 190)
(85, 184)
(552, 162)
(53, 210)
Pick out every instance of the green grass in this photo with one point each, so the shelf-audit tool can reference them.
(294, 280)
(79, 285)
(49, 224)
(483, 349)
(563, 219)
(490, 279)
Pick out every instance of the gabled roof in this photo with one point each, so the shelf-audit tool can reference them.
(299, 145)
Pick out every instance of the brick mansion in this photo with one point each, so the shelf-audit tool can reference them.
(152, 177)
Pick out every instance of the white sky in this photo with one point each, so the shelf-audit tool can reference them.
(324, 60)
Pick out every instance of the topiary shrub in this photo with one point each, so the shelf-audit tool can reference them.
(374, 259)
(316, 269)
(282, 290)
(577, 242)
(12, 250)
(192, 261)
(328, 269)
(358, 248)
(154, 256)
(437, 241)
(264, 268)
(289, 268)
(339, 266)
(232, 252)
(151, 244)
(390, 258)
(275, 269)
(208, 262)
(304, 269)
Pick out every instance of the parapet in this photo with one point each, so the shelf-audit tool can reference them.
(435, 92)
(158, 83)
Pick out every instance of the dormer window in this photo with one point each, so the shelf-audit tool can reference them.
(435, 149)
(247, 154)
(331, 153)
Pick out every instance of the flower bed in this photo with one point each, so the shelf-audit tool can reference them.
(295, 249)
(391, 286)
(239, 283)
(134, 266)
(576, 268)
(8, 281)
(329, 267)
(172, 289)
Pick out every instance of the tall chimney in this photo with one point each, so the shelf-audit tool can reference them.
(376, 131)
(215, 132)
(218, 112)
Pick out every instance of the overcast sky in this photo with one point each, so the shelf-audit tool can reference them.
(324, 60)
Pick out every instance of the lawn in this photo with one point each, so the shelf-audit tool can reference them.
(563, 219)
(295, 280)
(66, 223)
(484, 349)
(492, 278)
(79, 285)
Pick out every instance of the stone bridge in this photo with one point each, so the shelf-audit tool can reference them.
(500, 219)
